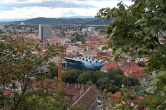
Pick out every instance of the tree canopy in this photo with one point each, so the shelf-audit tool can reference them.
(139, 30)
(78, 38)
(111, 81)
(19, 64)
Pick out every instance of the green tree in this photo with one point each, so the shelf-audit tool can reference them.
(128, 96)
(89, 83)
(85, 77)
(96, 75)
(19, 63)
(78, 107)
(136, 30)
(103, 83)
(79, 38)
(141, 64)
(117, 79)
(53, 70)
(113, 71)
(70, 75)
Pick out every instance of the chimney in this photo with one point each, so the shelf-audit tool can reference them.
(87, 48)
(68, 84)
(78, 85)
(75, 85)
(82, 89)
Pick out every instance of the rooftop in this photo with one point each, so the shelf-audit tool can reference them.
(110, 65)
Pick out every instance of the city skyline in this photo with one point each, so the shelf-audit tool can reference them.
(25, 9)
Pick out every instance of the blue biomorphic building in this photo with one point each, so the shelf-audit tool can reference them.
(85, 63)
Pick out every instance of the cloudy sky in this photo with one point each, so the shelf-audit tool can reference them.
(22, 9)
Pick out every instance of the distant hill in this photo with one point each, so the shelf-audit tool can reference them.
(55, 21)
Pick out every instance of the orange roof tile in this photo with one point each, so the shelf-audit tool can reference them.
(135, 71)
(56, 29)
(53, 39)
(110, 65)
(87, 97)
(117, 94)
(8, 92)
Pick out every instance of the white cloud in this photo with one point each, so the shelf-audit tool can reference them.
(111, 4)
(29, 12)
(36, 11)
(33, 1)
(8, 1)
(38, 1)
(24, 1)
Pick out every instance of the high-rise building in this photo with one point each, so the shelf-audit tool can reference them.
(45, 32)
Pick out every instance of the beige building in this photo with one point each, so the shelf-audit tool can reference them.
(88, 54)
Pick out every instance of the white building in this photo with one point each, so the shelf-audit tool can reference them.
(1, 27)
(84, 30)
(22, 23)
(91, 29)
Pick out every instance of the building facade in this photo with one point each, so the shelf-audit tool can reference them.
(45, 32)
(85, 63)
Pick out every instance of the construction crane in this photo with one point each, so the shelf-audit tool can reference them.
(14, 30)
(60, 69)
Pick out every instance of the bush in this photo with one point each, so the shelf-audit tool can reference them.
(141, 64)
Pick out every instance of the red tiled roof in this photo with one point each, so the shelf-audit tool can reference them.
(87, 97)
(128, 64)
(67, 33)
(56, 29)
(54, 39)
(135, 71)
(137, 68)
(71, 29)
(117, 94)
(95, 40)
(140, 97)
(22, 35)
(71, 89)
(114, 96)
(110, 65)
(67, 53)
(33, 34)
(8, 92)
(44, 43)
(63, 37)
